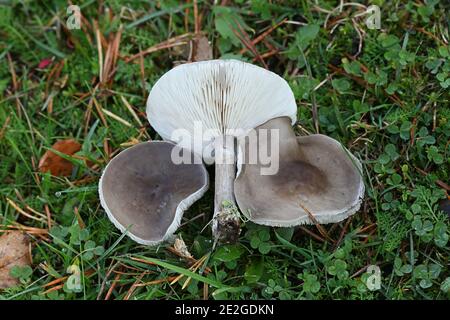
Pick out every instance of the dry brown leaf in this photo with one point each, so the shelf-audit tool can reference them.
(13, 252)
(57, 165)
(201, 49)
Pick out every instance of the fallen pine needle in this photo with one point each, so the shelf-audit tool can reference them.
(110, 290)
(116, 117)
(133, 287)
(54, 288)
(319, 227)
(157, 281)
(130, 109)
(21, 211)
(56, 281)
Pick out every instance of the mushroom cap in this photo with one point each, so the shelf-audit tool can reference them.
(315, 171)
(145, 193)
(228, 97)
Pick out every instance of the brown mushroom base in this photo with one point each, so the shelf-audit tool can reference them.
(226, 222)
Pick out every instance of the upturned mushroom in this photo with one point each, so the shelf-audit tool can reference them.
(316, 176)
(145, 193)
(201, 109)
(204, 106)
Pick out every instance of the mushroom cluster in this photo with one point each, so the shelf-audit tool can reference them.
(223, 112)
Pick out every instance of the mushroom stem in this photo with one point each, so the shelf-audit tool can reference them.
(226, 221)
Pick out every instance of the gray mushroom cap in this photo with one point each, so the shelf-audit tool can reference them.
(145, 193)
(315, 172)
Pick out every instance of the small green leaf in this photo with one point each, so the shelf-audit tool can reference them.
(392, 88)
(89, 245)
(264, 234)
(21, 272)
(384, 159)
(434, 155)
(341, 85)
(425, 283)
(59, 232)
(441, 76)
(285, 233)
(445, 286)
(404, 130)
(310, 282)
(88, 255)
(254, 270)
(228, 253)
(443, 51)
(421, 271)
(307, 34)
(254, 242)
(433, 65)
(393, 129)
(84, 234)
(434, 270)
(391, 150)
(440, 234)
(396, 179)
(427, 225)
(416, 208)
(388, 40)
(352, 67)
(99, 250)
(407, 268)
(226, 20)
(264, 247)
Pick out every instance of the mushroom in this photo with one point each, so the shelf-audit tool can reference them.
(203, 110)
(316, 175)
(145, 193)
(204, 106)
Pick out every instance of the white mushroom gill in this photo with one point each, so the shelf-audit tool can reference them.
(226, 96)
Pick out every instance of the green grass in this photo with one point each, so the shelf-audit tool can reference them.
(389, 104)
